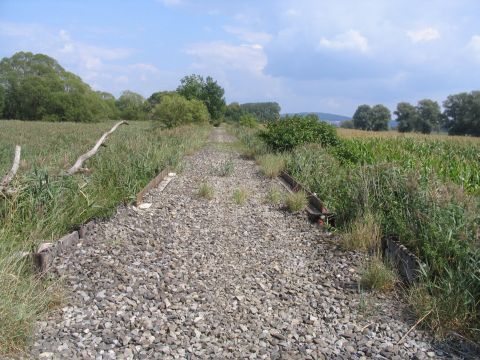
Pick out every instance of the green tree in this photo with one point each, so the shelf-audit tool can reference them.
(175, 110)
(263, 111)
(429, 115)
(38, 88)
(208, 91)
(380, 117)
(155, 99)
(362, 117)
(462, 113)
(130, 105)
(407, 117)
(233, 112)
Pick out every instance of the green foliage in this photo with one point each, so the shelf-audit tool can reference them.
(295, 130)
(263, 111)
(271, 165)
(233, 112)
(156, 98)
(376, 275)
(36, 87)
(274, 195)
(206, 90)
(206, 191)
(296, 201)
(240, 196)
(374, 118)
(407, 117)
(175, 110)
(462, 113)
(430, 116)
(248, 120)
(131, 106)
(227, 168)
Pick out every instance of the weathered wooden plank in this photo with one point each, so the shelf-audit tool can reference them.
(152, 184)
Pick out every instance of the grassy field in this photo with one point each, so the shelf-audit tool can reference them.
(422, 190)
(48, 204)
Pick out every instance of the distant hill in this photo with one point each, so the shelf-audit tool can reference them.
(334, 118)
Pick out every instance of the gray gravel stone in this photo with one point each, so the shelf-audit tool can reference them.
(191, 278)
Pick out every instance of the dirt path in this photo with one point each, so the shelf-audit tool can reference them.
(191, 278)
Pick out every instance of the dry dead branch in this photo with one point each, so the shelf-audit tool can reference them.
(78, 164)
(11, 174)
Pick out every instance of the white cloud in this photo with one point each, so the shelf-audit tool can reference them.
(350, 40)
(256, 37)
(474, 45)
(250, 57)
(172, 2)
(423, 35)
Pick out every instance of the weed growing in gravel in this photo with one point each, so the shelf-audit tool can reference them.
(240, 196)
(206, 191)
(274, 195)
(227, 168)
(364, 234)
(296, 201)
(271, 165)
(376, 275)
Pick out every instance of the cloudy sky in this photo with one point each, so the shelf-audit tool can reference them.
(309, 55)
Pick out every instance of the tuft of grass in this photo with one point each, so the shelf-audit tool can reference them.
(240, 196)
(364, 234)
(23, 298)
(271, 165)
(206, 191)
(227, 168)
(296, 201)
(376, 275)
(274, 195)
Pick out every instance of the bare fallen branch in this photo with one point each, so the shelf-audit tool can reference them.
(414, 326)
(11, 174)
(78, 164)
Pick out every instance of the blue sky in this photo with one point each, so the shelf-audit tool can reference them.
(308, 55)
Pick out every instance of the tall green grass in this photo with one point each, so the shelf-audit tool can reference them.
(49, 204)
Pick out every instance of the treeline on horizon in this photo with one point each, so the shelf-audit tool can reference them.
(461, 116)
(37, 87)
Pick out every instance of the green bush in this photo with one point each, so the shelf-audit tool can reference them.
(248, 120)
(175, 110)
(292, 131)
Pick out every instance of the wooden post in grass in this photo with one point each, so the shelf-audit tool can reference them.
(78, 164)
(11, 174)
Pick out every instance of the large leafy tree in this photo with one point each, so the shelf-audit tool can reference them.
(407, 117)
(36, 87)
(374, 118)
(462, 113)
(131, 105)
(362, 117)
(380, 117)
(206, 90)
(429, 115)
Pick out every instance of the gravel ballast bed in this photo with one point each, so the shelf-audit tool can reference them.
(192, 278)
